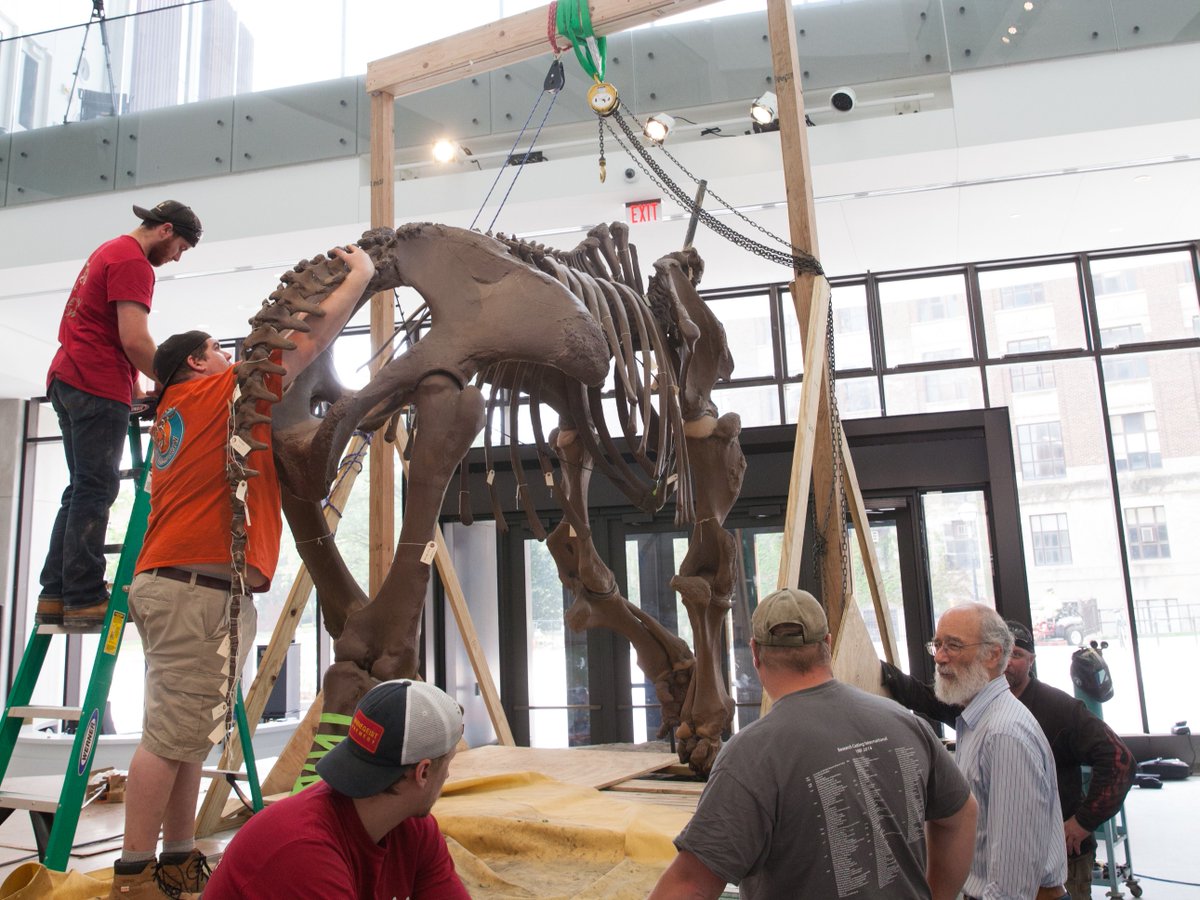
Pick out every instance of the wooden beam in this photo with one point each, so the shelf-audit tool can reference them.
(503, 43)
(462, 615)
(382, 516)
(811, 391)
(209, 818)
(802, 223)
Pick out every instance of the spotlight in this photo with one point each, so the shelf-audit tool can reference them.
(765, 109)
(658, 127)
(445, 150)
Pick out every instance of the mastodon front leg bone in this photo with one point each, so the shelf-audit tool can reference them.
(705, 582)
(383, 637)
(662, 656)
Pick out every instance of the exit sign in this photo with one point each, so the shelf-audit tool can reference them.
(643, 211)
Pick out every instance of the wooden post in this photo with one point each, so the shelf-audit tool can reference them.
(382, 523)
(803, 232)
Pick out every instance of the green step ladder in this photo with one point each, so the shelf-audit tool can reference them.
(54, 821)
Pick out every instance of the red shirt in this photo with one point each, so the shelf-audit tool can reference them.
(90, 356)
(313, 845)
(190, 512)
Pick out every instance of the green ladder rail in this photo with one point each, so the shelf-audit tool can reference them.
(55, 820)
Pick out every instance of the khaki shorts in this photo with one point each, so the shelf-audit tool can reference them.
(185, 631)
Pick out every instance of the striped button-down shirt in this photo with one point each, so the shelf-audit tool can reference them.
(1019, 842)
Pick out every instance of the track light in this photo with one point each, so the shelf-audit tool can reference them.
(658, 127)
(765, 109)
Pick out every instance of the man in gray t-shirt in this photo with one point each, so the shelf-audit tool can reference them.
(836, 793)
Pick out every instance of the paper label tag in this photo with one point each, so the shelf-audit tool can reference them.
(237, 392)
(570, 531)
(223, 650)
(219, 710)
(429, 552)
(549, 479)
(240, 492)
(672, 478)
(491, 476)
(217, 734)
(240, 447)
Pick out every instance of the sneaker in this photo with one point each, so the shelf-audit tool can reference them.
(85, 618)
(185, 872)
(49, 611)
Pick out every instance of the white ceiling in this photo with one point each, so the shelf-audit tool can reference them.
(1067, 155)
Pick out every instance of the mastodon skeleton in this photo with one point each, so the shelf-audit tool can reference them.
(548, 324)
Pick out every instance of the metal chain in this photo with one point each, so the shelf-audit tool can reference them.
(799, 261)
(721, 200)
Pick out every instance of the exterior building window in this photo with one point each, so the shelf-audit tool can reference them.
(1125, 367)
(1122, 334)
(1135, 441)
(962, 545)
(931, 309)
(1167, 616)
(1118, 281)
(1022, 295)
(1034, 377)
(1146, 532)
(1051, 540)
(1041, 450)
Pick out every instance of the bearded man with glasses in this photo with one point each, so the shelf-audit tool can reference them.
(1004, 754)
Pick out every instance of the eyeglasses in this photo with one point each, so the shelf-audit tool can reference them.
(952, 648)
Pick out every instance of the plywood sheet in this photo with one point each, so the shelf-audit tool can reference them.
(855, 660)
(656, 786)
(587, 768)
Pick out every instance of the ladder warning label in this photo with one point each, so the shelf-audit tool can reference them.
(113, 640)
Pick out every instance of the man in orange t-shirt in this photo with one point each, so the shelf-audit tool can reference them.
(179, 599)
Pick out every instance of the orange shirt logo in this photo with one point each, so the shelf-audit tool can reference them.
(366, 733)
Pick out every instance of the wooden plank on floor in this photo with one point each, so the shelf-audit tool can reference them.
(587, 768)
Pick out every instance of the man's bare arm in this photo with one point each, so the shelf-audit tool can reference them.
(689, 879)
(132, 325)
(337, 307)
(950, 845)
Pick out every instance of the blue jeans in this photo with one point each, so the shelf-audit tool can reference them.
(93, 432)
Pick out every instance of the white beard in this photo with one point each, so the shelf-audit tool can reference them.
(960, 689)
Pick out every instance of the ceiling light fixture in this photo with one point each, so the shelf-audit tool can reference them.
(658, 127)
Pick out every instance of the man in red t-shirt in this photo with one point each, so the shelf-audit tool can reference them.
(366, 831)
(103, 344)
(179, 598)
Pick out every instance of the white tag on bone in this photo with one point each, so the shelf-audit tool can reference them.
(240, 447)
(429, 552)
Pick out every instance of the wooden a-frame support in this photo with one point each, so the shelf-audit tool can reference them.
(523, 36)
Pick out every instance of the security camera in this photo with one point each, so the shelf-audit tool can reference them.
(842, 99)
(631, 175)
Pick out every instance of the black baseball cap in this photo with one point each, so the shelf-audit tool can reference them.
(1022, 637)
(397, 724)
(185, 222)
(174, 350)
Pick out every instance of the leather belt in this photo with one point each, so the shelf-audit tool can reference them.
(205, 581)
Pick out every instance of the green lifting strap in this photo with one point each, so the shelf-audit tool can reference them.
(324, 742)
(575, 24)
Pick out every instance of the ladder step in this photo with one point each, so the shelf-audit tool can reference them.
(224, 773)
(58, 629)
(70, 713)
(32, 802)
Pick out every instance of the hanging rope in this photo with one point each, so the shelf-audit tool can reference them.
(555, 78)
(575, 24)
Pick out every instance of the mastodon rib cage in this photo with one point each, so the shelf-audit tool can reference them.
(644, 334)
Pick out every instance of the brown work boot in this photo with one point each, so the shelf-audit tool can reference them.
(85, 618)
(185, 872)
(136, 881)
(49, 611)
